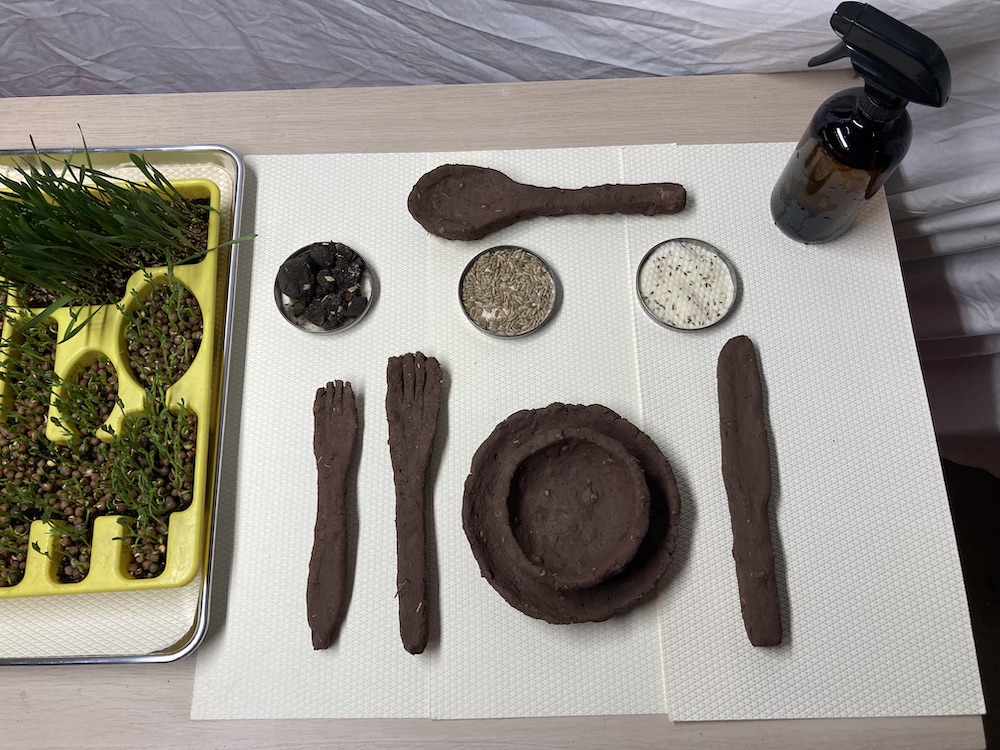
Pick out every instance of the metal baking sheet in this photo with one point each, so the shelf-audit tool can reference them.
(190, 620)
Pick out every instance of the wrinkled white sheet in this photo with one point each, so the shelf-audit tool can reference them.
(945, 199)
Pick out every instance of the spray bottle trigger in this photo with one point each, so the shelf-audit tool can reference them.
(839, 52)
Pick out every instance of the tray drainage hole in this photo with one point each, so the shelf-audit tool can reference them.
(73, 545)
(152, 476)
(85, 401)
(13, 546)
(163, 332)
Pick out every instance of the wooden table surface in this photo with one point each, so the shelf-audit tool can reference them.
(147, 706)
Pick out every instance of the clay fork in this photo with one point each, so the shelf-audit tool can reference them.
(412, 402)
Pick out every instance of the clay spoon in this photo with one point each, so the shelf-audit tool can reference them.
(462, 202)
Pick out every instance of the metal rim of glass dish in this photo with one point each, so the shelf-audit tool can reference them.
(689, 268)
(369, 287)
(542, 313)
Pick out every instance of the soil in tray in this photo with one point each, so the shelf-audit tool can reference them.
(141, 472)
(28, 380)
(163, 333)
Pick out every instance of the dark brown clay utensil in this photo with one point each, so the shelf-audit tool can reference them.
(412, 402)
(335, 417)
(746, 471)
(463, 202)
(486, 518)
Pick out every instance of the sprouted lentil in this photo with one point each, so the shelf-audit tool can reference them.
(686, 284)
(508, 291)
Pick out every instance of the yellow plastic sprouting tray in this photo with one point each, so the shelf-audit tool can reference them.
(198, 388)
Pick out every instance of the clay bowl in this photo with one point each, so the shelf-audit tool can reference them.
(577, 507)
(486, 518)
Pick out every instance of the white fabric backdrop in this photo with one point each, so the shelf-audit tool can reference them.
(945, 199)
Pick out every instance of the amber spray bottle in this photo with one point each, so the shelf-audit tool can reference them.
(858, 137)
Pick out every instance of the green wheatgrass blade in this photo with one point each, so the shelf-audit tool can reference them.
(29, 322)
(61, 230)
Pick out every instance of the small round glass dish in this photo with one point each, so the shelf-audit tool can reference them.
(507, 291)
(686, 284)
(325, 287)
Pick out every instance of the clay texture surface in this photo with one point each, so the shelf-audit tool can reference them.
(487, 521)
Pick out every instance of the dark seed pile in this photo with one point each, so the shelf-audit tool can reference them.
(27, 382)
(163, 332)
(324, 285)
(142, 472)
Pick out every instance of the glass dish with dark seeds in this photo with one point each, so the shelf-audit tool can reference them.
(325, 287)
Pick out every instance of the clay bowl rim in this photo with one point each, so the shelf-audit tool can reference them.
(627, 590)
(369, 282)
(634, 530)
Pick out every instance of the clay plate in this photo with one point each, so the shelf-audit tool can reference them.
(486, 518)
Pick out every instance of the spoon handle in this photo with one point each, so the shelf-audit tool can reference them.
(648, 199)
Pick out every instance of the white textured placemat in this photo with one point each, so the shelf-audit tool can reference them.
(367, 673)
(494, 660)
(490, 660)
(875, 613)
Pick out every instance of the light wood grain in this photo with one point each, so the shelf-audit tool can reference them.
(147, 706)
(136, 706)
(706, 109)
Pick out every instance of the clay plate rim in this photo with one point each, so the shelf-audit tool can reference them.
(531, 596)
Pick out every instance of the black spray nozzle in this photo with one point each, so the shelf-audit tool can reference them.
(899, 64)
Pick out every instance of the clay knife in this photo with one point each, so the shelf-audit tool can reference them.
(746, 470)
